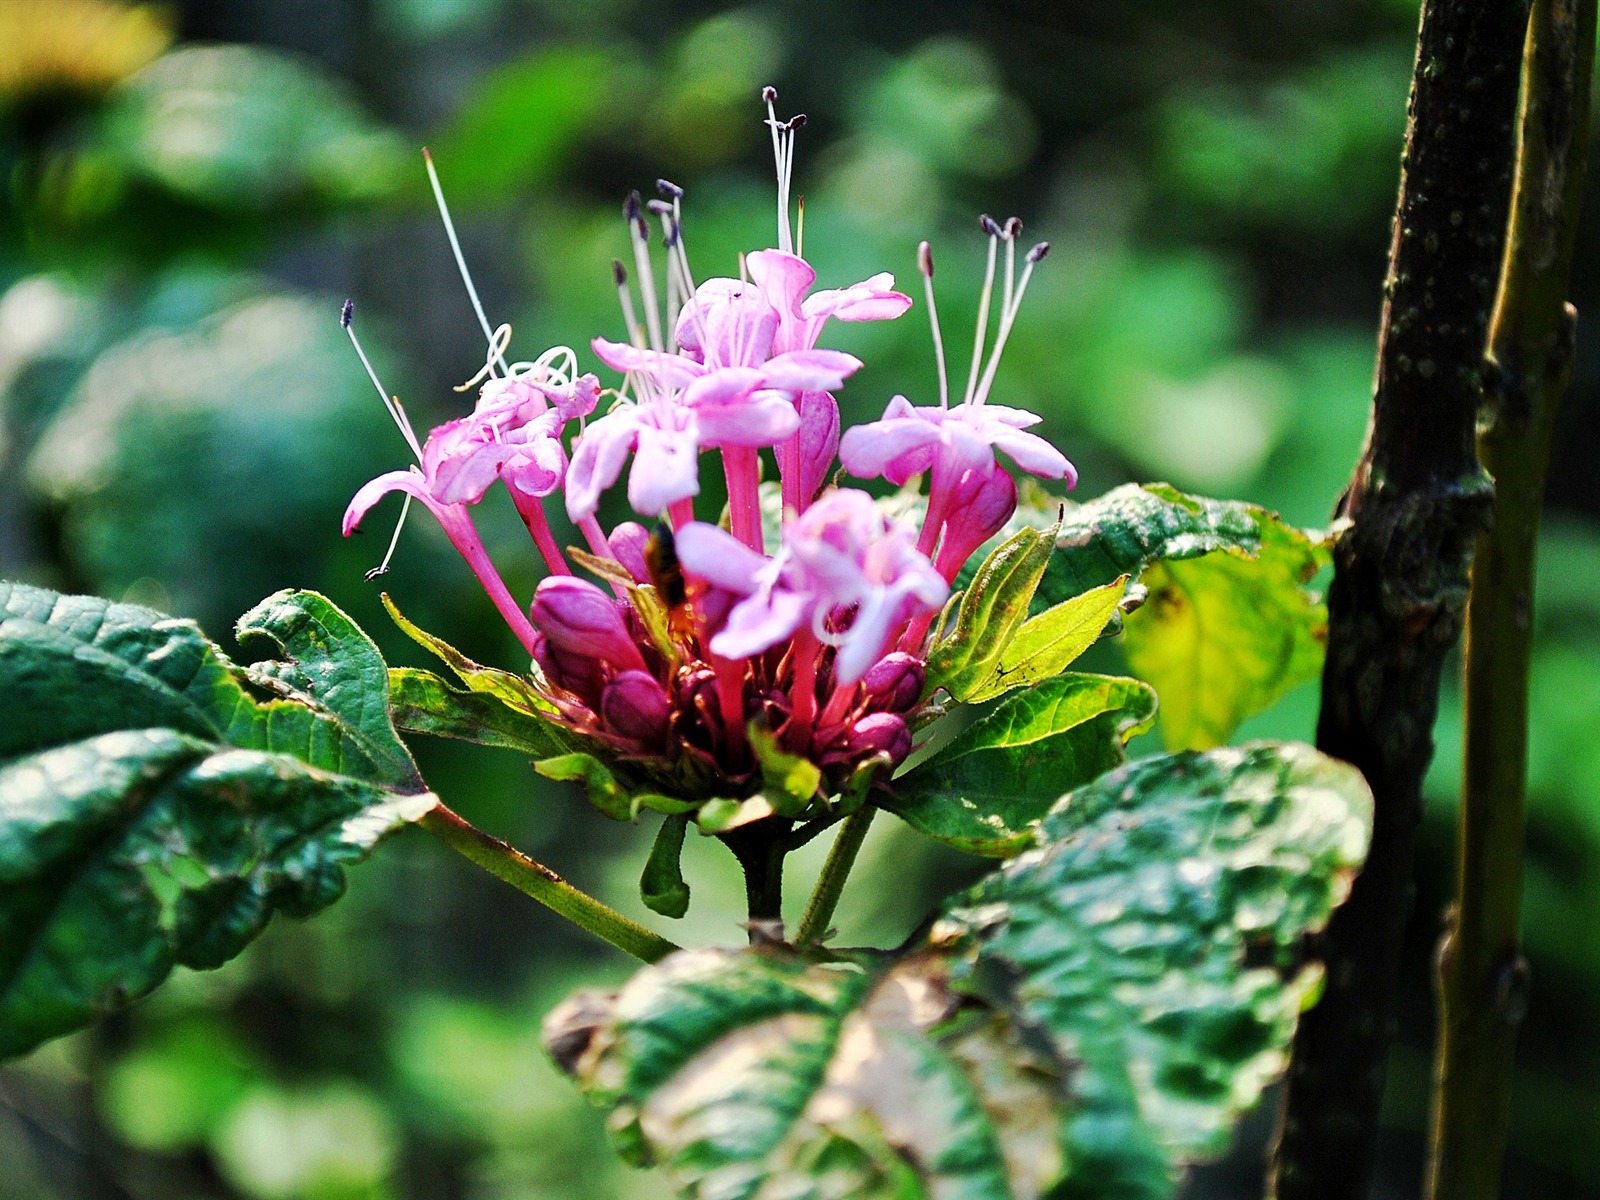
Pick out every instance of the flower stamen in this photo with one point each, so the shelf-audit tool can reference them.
(981, 332)
(925, 265)
(455, 249)
(639, 234)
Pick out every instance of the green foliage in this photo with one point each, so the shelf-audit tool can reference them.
(240, 127)
(157, 812)
(1224, 636)
(983, 790)
(965, 657)
(1083, 1022)
(662, 886)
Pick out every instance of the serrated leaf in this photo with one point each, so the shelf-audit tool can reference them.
(1084, 1022)
(422, 702)
(662, 886)
(1047, 644)
(1126, 530)
(990, 613)
(983, 790)
(323, 657)
(1224, 637)
(153, 812)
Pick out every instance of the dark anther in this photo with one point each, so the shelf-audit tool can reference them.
(630, 207)
(667, 188)
(347, 314)
(769, 94)
(795, 122)
(1038, 252)
(990, 226)
(925, 259)
(1013, 228)
(619, 272)
(660, 207)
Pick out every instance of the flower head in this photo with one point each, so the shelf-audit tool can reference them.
(845, 574)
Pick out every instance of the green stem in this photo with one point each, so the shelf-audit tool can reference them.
(507, 863)
(1482, 975)
(830, 884)
(760, 848)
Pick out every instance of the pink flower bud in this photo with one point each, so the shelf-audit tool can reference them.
(819, 441)
(880, 732)
(577, 618)
(635, 706)
(628, 541)
(981, 507)
(895, 682)
(576, 673)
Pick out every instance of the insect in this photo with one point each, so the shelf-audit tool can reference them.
(661, 560)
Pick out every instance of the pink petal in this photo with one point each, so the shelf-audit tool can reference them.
(666, 468)
(1036, 456)
(810, 370)
(784, 277)
(764, 419)
(870, 450)
(1017, 418)
(668, 370)
(409, 481)
(718, 557)
(721, 385)
(597, 460)
(760, 622)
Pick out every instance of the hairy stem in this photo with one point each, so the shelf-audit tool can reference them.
(830, 884)
(1482, 975)
(760, 848)
(507, 863)
(1414, 508)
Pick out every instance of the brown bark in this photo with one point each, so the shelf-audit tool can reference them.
(1415, 505)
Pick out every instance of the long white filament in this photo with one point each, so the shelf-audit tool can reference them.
(461, 260)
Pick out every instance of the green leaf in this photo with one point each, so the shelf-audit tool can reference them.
(1083, 1023)
(791, 780)
(1129, 528)
(155, 812)
(1224, 637)
(722, 814)
(424, 703)
(662, 886)
(982, 791)
(619, 799)
(1047, 644)
(328, 661)
(993, 608)
(514, 691)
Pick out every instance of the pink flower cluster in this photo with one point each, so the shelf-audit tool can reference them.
(818, 640)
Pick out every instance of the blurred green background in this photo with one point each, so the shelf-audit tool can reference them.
(191, 190)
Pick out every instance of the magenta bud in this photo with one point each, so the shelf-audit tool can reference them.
(635, 706)
(980, 509)
(628, 541)
(819, 441)
(877, 733)
(895, 682)
(576, 673)
(577, 618)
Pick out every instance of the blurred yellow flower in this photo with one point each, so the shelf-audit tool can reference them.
(76, 45)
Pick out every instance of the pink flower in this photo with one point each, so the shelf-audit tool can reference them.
(841, 563)
(730, 321)
(686, 407)
(909, 440)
